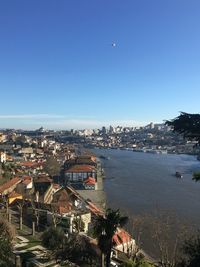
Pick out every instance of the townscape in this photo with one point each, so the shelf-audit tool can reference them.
(99, 133)
(45, 183)
(51, 180)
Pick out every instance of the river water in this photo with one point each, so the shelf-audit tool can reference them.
(140, 183)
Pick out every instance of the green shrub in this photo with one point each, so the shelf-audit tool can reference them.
(196, 176)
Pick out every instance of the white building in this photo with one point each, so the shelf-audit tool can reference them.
(2, 156)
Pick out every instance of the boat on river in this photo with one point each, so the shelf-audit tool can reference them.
(104, 157)
(178, 175)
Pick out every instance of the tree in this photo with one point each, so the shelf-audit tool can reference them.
(35, 216)
(6, 237)
(52, 166)
(5, 200)
(191, 249)
(20, 205)
(189, 126)
(53, 238)
(164, 231)
(186, 124)
(196, 176)
(136, 228)
(67, 248)
(136, 263)
(105, 228)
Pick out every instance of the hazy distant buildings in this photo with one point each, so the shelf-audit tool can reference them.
(103, 130)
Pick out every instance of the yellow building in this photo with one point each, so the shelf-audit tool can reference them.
(13, 196)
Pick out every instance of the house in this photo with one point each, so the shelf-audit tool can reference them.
(27, 152)
(27, 182)
(90, 183)
(123, 241)
(82, 160)
(78, 173)
(69, 206)
(44, 189)
(3, 138)
(25, 187)
(3, 156)
(70, 196)
(13, 196)
(31, 166)
(9, 186)
(93, 208)
(62, 201)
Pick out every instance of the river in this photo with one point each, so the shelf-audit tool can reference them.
(140, 183)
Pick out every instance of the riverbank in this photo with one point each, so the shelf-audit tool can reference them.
(150, 150)
(144, 183)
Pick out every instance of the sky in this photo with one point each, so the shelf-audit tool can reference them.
(59, 68)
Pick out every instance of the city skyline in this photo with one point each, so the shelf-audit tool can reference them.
(86, 64)
(78, 123)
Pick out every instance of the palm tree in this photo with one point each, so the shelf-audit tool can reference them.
(105, 228)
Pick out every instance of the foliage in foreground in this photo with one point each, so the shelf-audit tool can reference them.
(6, 236)
(191, 249)
(67, 248)
(187, 124)
(105, 227)
(140, 263)
(196, 176)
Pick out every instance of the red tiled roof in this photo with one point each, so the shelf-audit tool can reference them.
(121, 237)
(28, 164)
(14, 194)
(42, 179)
(81, 168)
(90, 181)
(94, 208)
(9, 184)
(26, 180)
(61, 201)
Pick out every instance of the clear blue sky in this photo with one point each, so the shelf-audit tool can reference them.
(58, 68)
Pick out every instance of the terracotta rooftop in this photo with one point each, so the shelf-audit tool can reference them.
(42, 179)
(121, 237)
(90, 181)
(81, 168)
(26, 180)
(93, 208)
(28, 164)
(9, 184)
(14, 194)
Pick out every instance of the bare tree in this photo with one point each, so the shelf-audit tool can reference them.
(52, 166)
(168, 235)
(135, 228)
(161, 234)
(56, 218)
(6, 205)
(35, 216)
(20, 205)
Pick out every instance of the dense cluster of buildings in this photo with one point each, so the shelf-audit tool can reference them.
(155, 138)
(51, 177)
(53, 182)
